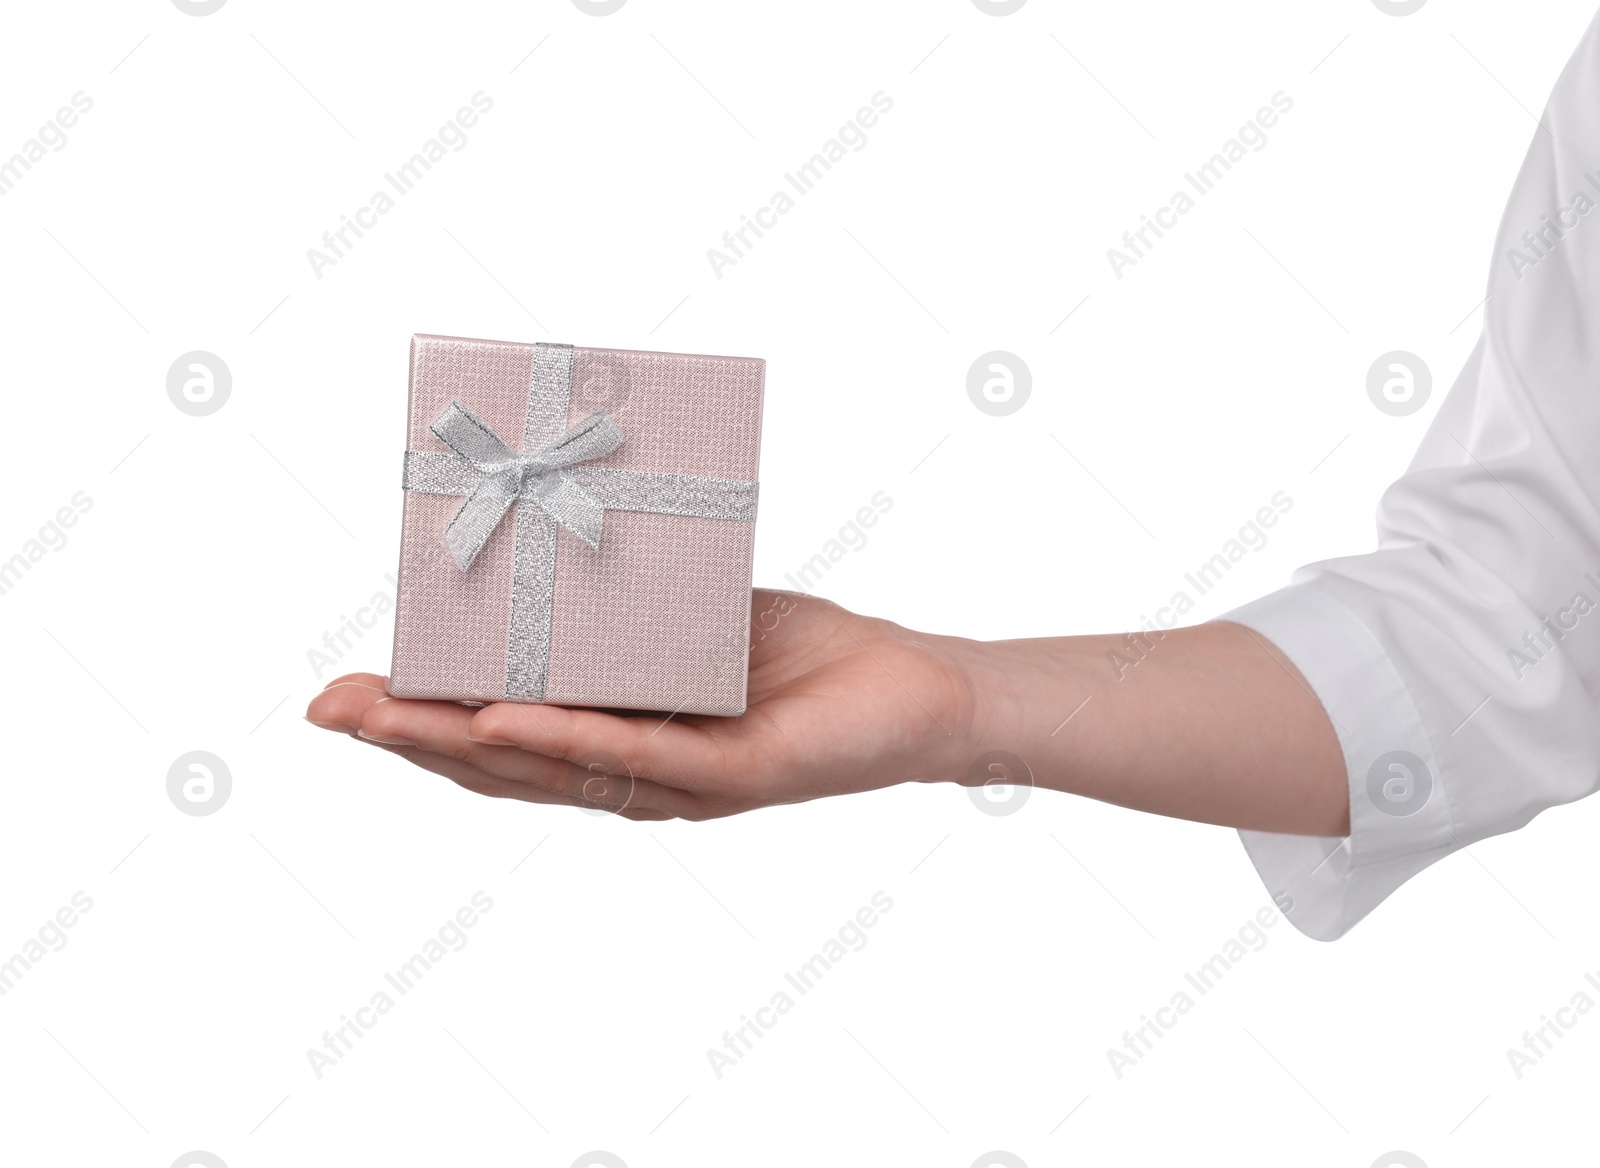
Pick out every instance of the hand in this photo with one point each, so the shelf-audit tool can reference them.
(837, 703)
(1209, 722)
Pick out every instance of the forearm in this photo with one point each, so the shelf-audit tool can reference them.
(1210, 723)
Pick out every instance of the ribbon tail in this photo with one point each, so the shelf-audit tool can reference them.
(572, 507)
(469, 529)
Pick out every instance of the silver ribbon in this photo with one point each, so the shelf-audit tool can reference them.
(552, 489)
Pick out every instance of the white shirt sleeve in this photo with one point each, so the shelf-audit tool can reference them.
(1460, 662)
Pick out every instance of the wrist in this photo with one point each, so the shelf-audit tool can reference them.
(1025, 697)
(1010, 690)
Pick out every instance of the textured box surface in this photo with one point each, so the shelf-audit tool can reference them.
(657, 617)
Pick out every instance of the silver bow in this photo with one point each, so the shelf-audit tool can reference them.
(538, 479)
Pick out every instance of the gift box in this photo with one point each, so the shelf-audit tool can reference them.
(578, 526)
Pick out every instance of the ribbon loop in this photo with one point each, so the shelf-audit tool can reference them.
(594, 437)
(537, 478)
(470, 436)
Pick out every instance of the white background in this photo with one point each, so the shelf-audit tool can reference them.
(1228, 365)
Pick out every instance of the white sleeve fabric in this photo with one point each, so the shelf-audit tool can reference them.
(1460, 662)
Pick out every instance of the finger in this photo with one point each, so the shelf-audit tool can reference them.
(685, 753)
(343, 705)
(779, 620)
(345, 701)
(471, 778)
(676, 752)
(643, 815)
(375, 680)
(440, 728)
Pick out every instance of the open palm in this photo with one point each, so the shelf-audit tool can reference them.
(837, 703)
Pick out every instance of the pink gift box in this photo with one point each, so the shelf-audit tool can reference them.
(518, 458)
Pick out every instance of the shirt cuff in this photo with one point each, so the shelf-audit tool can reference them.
(1400, 818)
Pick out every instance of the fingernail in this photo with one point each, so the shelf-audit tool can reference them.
(490, 741)
(357, 684)
(386, 741)
(339, 726)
